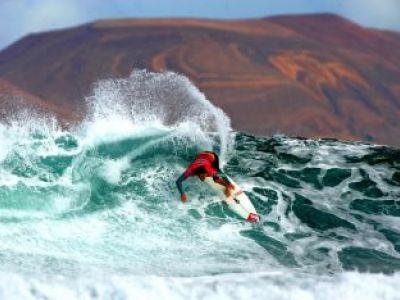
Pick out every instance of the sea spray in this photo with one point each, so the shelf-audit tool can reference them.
(160, 99)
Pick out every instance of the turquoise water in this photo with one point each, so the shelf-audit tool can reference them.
(92, 212)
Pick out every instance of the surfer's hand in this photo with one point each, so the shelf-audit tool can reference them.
(183, 197)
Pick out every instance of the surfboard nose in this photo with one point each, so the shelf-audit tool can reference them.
(253, 218)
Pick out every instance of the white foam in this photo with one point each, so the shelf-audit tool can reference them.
(112, 169)
(267, 285)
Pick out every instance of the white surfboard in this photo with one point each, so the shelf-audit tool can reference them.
(238, 202)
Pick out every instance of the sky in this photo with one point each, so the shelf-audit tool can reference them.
(21, 17)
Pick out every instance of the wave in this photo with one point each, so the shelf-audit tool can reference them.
(100, 198)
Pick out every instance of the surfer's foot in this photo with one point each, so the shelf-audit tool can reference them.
(253, 218)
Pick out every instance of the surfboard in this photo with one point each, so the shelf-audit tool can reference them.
(238, 202)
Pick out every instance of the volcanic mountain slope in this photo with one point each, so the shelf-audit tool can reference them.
(14, 101)
(308, 75)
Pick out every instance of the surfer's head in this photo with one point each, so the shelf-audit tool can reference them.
(212, 157)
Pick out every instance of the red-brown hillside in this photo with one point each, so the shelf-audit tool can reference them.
(14, 100)
(309, 75)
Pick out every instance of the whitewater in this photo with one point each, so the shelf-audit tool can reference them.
(91, 211)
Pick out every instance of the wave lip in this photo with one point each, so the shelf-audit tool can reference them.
(166, 98)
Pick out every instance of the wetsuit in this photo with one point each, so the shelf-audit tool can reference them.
(208, 163)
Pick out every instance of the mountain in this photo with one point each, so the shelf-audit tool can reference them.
(303, 75)
(14, 100)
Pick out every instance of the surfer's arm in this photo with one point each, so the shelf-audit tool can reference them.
(179, 185)
(222, 180)
(225, 182)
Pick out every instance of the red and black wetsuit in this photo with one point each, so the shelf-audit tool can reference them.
(204, 160)
(207, 162)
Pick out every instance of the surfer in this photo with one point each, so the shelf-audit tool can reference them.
(205, 165)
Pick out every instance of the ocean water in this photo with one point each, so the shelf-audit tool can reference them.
(92, 211)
